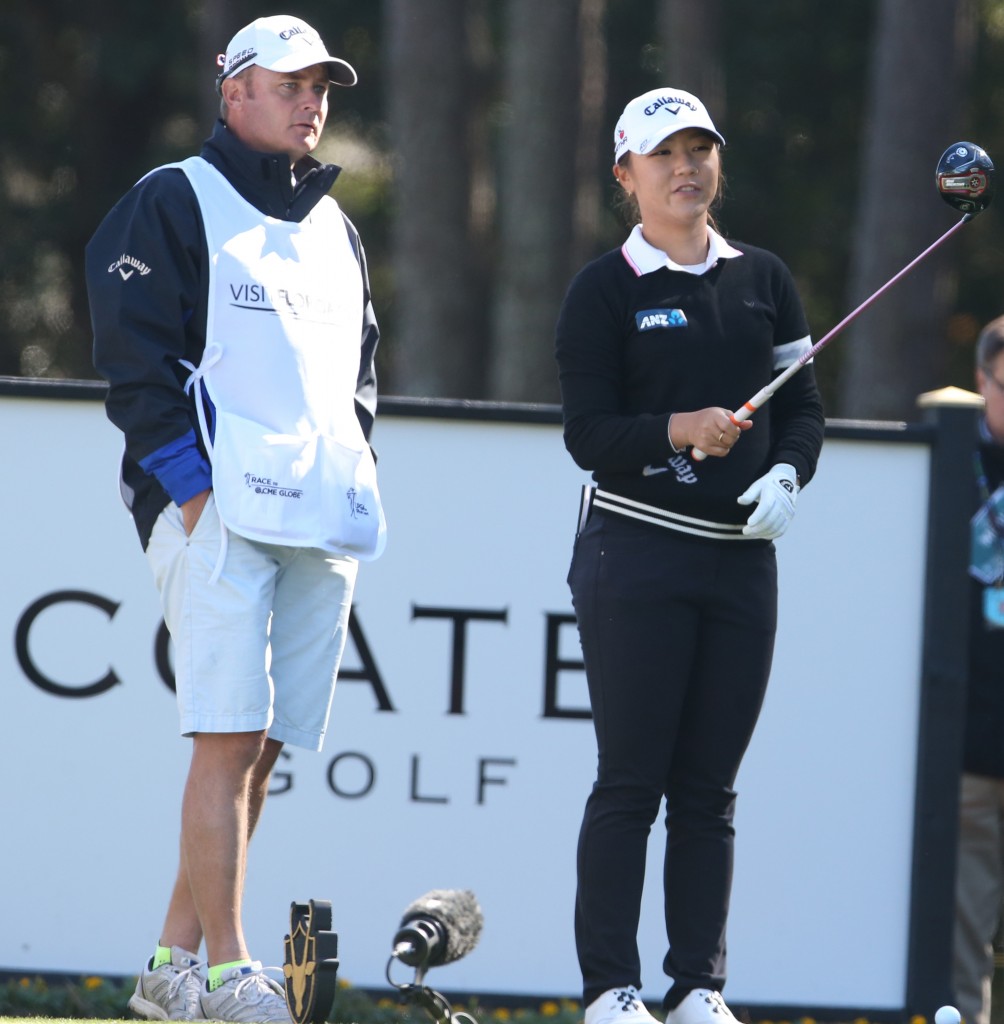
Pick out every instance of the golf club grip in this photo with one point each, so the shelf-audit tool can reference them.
(747, 410)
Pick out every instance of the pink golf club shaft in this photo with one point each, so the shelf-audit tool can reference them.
(765, 393)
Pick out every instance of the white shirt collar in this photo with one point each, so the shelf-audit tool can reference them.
(644, 258)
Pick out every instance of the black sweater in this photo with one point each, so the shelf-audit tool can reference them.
(633, 349)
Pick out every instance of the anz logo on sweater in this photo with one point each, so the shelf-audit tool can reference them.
(651, 319)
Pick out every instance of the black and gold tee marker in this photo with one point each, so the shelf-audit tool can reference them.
(311, 966)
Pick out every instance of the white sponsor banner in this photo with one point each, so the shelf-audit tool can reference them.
(457, 755)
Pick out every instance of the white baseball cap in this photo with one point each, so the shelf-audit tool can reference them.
(281, 43)
(655, 115)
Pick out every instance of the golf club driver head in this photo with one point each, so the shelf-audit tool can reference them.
(965, 177)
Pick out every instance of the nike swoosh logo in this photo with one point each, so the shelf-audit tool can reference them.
(126, 274)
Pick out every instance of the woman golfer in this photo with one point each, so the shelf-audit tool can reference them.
(673, 577)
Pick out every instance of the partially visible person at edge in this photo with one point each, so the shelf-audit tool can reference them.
(232, 320)
(673, 576)
(980, 869)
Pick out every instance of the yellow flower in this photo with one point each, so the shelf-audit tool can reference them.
(92, 983)
(549, 1008)
(502, 1014)
(918, 1019)
(25, 983)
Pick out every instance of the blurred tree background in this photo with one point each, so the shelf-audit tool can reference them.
(476, 152)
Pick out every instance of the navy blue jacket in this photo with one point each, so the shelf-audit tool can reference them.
(148, 286)
(984, 743)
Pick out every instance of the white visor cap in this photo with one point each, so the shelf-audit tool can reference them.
(655, 115)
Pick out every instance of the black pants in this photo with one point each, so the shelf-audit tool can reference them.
(677, 635)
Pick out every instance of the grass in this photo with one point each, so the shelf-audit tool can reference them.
(40, 1001)
(35, 1000)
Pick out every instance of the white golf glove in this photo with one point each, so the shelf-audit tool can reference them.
(775, 493)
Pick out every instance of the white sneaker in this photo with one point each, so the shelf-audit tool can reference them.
(618, 1006)
(171, 992)
(701, 1006)
(246, 995)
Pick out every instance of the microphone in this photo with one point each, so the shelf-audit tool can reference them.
(438, 928)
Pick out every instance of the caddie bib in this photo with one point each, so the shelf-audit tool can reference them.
(290, 463)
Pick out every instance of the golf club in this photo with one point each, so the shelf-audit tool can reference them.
(965, 180)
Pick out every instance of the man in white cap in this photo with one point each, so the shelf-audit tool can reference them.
(232, 320)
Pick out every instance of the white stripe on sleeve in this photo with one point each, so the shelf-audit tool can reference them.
(786, 355)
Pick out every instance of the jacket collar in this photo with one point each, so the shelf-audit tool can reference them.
(264, 179)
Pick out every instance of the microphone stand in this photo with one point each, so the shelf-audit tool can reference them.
(436, 1005)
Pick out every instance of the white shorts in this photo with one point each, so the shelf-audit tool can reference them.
(258, 649)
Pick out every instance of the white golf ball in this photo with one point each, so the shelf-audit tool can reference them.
(947, 1015)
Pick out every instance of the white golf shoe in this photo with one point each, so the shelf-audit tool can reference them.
(619, 1006)
(701, 1006)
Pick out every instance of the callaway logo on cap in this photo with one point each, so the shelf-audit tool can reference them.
(655, 115)
(281, 43)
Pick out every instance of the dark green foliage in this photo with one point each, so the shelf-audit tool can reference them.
(89, 998)
(97, 93)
